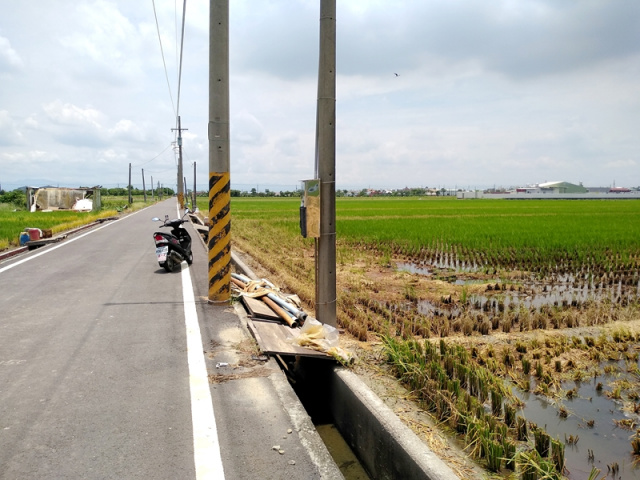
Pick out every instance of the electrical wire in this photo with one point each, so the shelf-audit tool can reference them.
(184, 11)
(149, 161)
(166, 74)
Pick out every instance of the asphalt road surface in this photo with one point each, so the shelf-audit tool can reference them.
(111, 368)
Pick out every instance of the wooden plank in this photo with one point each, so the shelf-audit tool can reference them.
(258, 308)
(272, 338)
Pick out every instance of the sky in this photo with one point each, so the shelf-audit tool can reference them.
(500, 93)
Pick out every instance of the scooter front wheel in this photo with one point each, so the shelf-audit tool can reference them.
(189, 258)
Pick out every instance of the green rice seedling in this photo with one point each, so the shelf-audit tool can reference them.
(496, 402)
(509, 454)
(526, 365)
(558, 366)
(522, 432)
(541, 440)
(507, 357)
(539, 370)
(462, 373)
(533, 467)
(473, 438)
(494, 453)
(527, 463)
(521, 347)
(454, 388)
(443, 348)
(557, 455)
(593, 475)
(509, 415)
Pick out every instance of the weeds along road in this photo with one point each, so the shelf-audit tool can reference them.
(101, 376)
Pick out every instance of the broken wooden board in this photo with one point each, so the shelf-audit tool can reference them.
(273, 339)
(44, 241)
(257, 308)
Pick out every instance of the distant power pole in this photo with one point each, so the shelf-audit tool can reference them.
(219, 241)
(194, 186)
(144, 188)
(186, 191)
(180, 175)
(153, 192)
(130, 199)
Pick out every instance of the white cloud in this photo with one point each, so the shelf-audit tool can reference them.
(9, 58)
(72, 115)
(10, 133)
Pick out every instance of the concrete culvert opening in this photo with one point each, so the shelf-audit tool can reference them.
(311, 380)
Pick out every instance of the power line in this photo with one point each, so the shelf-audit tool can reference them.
(149, 161)
(166, 74)
(184, 11)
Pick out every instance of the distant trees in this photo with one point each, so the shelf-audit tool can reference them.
(123, 192)
(16, 198)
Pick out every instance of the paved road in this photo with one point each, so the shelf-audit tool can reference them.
(102, 375)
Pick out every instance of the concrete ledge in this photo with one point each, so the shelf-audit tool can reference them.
(386, 447)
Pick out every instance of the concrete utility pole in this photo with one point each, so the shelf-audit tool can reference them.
(130, 198)
(180, 176)
(144, 188)
(326, 166)
(193, 201)
(219, 241)
(186, 192)
(153, 192)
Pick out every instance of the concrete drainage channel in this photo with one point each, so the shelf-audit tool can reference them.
(384, 446)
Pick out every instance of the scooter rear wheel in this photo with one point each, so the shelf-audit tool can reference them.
(168, 265)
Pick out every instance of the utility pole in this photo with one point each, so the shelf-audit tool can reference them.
(180, 188)
(219, 241)
(144, 188)
(193, 203)
(130, 199)
(186, 192)
(153, 192)
(326, 166)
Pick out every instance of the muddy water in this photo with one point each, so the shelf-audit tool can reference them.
(343, 455)
(608, 443)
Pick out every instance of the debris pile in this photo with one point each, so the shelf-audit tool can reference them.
(266, 302)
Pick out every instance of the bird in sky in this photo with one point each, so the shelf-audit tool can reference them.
(397, 74)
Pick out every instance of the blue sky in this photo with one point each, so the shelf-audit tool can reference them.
(508, 92)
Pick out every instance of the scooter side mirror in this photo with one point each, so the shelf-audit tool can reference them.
(186, 210)
(155, 219)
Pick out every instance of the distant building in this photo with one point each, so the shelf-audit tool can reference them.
(561, 187)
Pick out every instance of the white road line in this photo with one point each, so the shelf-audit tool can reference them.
(206, 446)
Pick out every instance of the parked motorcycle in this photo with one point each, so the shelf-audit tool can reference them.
(172, 248)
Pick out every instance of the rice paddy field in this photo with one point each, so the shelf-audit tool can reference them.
(515, 324)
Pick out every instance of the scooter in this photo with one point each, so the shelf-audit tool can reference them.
(172, 248)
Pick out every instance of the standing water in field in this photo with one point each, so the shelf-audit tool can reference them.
(591, 425)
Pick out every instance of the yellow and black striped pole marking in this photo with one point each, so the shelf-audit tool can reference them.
(219, 237)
